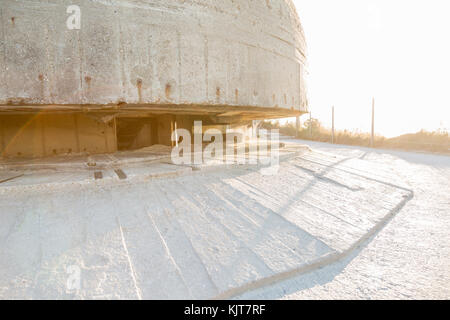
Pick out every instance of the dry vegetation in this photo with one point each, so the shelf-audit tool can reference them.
(436, 141)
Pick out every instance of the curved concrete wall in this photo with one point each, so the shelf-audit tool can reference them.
(248, 53)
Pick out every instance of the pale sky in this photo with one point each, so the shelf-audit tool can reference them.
(395, 50)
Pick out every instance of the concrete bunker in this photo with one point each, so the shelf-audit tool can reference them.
(122, 83)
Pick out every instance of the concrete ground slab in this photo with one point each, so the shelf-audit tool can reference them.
(200, 234)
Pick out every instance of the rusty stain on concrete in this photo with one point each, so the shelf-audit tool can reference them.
(139, 87)
(218, 94)
(168, 90)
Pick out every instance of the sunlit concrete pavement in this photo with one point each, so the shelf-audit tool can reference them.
(408, 259)
(196, 234)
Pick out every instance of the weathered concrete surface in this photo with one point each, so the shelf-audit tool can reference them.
(196, 54)
(201, 234)
(409, 258)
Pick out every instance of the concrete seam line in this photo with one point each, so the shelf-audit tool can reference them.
(130, 263)
(325, 261)
(12, 178)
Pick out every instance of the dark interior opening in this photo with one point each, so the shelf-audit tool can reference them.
(133, 133)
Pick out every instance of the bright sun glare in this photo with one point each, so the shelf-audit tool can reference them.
(397, 51)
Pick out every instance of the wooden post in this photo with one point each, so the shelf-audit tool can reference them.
(297, 126)
(332, 124)
(372, 135)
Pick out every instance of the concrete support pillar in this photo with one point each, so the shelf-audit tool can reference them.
(165, 127)
(297, 126)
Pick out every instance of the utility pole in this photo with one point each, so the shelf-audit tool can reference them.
(310, 125)
(372, 136)
(332, 124)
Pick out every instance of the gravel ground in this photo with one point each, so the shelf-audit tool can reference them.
(408, 259)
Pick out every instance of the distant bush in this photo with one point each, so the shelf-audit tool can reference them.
(435, 141)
